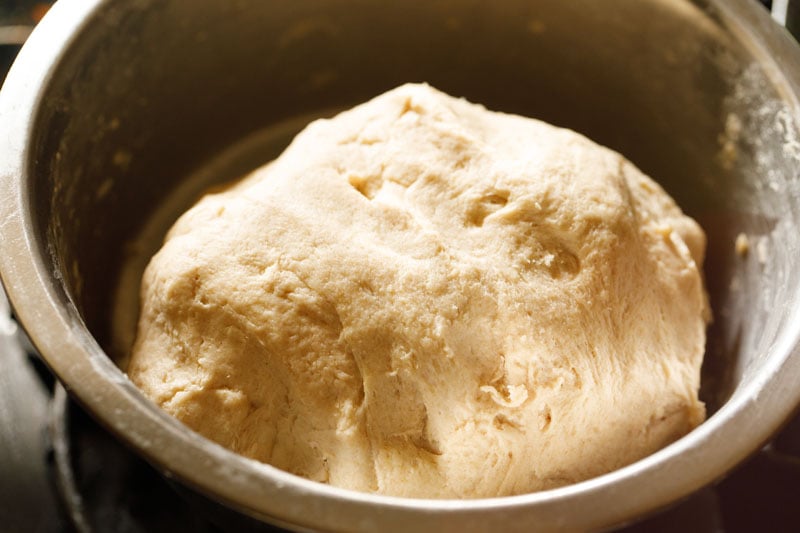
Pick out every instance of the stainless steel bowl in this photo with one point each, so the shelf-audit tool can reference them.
(117, 112)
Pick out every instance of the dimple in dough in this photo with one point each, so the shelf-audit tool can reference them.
(424, 298)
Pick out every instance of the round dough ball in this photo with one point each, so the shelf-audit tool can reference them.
(424, 298)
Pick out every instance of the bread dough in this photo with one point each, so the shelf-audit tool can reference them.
(424, 298)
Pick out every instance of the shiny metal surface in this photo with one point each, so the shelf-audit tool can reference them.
(111, 105)
(26, 500)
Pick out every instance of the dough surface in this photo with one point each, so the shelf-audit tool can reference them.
(424, 298)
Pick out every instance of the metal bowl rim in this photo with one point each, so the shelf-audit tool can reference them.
(761, 406)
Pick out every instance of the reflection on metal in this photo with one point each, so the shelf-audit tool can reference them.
(26, 500)
(779, 8)
(14, 34)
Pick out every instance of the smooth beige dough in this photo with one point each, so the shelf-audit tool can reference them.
(424, 298)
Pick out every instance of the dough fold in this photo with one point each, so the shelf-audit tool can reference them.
(424, 298)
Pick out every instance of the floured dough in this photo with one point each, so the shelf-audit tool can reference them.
(424, 298)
